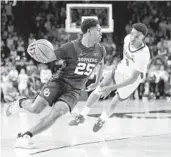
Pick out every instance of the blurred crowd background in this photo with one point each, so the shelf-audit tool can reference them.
(22, 22)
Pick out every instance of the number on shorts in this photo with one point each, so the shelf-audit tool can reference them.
(84, 69)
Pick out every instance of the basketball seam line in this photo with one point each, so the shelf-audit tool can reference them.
(42, 51)
(44, 45)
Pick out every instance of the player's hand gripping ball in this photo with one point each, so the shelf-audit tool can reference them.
(41, 50)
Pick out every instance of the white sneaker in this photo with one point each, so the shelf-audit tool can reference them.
(25, 142)
(13, 107)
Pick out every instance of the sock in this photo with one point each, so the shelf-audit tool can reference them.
(85, 111)
(103, 116)
(20, 101)
(27, 133)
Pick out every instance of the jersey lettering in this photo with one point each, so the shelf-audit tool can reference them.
(84, 68)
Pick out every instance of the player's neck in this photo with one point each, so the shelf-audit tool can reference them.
(86, 42)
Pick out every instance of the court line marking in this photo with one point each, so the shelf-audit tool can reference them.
(87, 143)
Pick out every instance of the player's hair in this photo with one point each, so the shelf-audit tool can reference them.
(87, 24)
(141, 28)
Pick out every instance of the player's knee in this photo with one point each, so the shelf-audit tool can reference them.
(61, 107)
(36, 108)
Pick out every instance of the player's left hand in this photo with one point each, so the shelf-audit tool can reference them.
(106, 91)
(31, 48)
(91, 87)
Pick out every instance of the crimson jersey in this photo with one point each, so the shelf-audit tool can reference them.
(79, 62)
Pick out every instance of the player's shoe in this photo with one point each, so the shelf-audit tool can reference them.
(98, 125)
(14, 106)
(78, 120)
(24, 142)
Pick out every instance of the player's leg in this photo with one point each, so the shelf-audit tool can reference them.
(66, 102)
(34, 105)
(109, 111)
(92, 99)
(46, 97)
(122, 95)
(59, 109)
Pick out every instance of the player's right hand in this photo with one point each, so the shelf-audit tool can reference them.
(91, 87)
(31, 48)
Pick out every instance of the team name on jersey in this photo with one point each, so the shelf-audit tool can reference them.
(89, 60)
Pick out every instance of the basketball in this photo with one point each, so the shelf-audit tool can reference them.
(44, 50)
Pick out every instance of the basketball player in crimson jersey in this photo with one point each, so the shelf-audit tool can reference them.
(129, 73)
(62, 92)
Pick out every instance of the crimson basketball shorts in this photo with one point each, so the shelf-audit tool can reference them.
(56, 89)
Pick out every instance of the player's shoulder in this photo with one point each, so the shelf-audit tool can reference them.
(67, 46)
(144, 53)
(127, 38)
(145, 50)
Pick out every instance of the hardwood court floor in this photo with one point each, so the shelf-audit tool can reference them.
(138, 129)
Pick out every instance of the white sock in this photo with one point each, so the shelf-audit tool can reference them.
(103, 116)
(85, 111)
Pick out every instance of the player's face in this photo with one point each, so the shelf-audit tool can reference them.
(136, 38)
(96, 34)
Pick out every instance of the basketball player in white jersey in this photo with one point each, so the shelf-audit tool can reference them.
(129, 73)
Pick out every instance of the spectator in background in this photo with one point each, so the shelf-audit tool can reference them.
(169, 45)
(15, 38)
(22, 82)
(54, 32)
(13, 75)
(34, 88)
(9, 91)
(65, 36)
(13, 52)
(8, 8)
(128, 27)
(30, 68)
(10, 27)
(164, 78)
(162, 47)
(31, 38)
(169, 25)
(109, 46)
(48, 25)
(5, 51)
(45, 74)
(163, 26)
(149, 39)
(10, 41)
(20, 46)
(4, 35)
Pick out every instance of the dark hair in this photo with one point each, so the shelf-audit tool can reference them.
(87, 24)
(141, 28)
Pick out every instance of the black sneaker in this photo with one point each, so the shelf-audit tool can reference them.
(98, 125)
(78, 119)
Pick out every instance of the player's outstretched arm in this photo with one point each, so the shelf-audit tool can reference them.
(108, 89)
(98, 77)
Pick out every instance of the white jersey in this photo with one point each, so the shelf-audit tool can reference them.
(134, 60)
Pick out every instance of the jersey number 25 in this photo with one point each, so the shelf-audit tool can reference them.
(84, 69)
